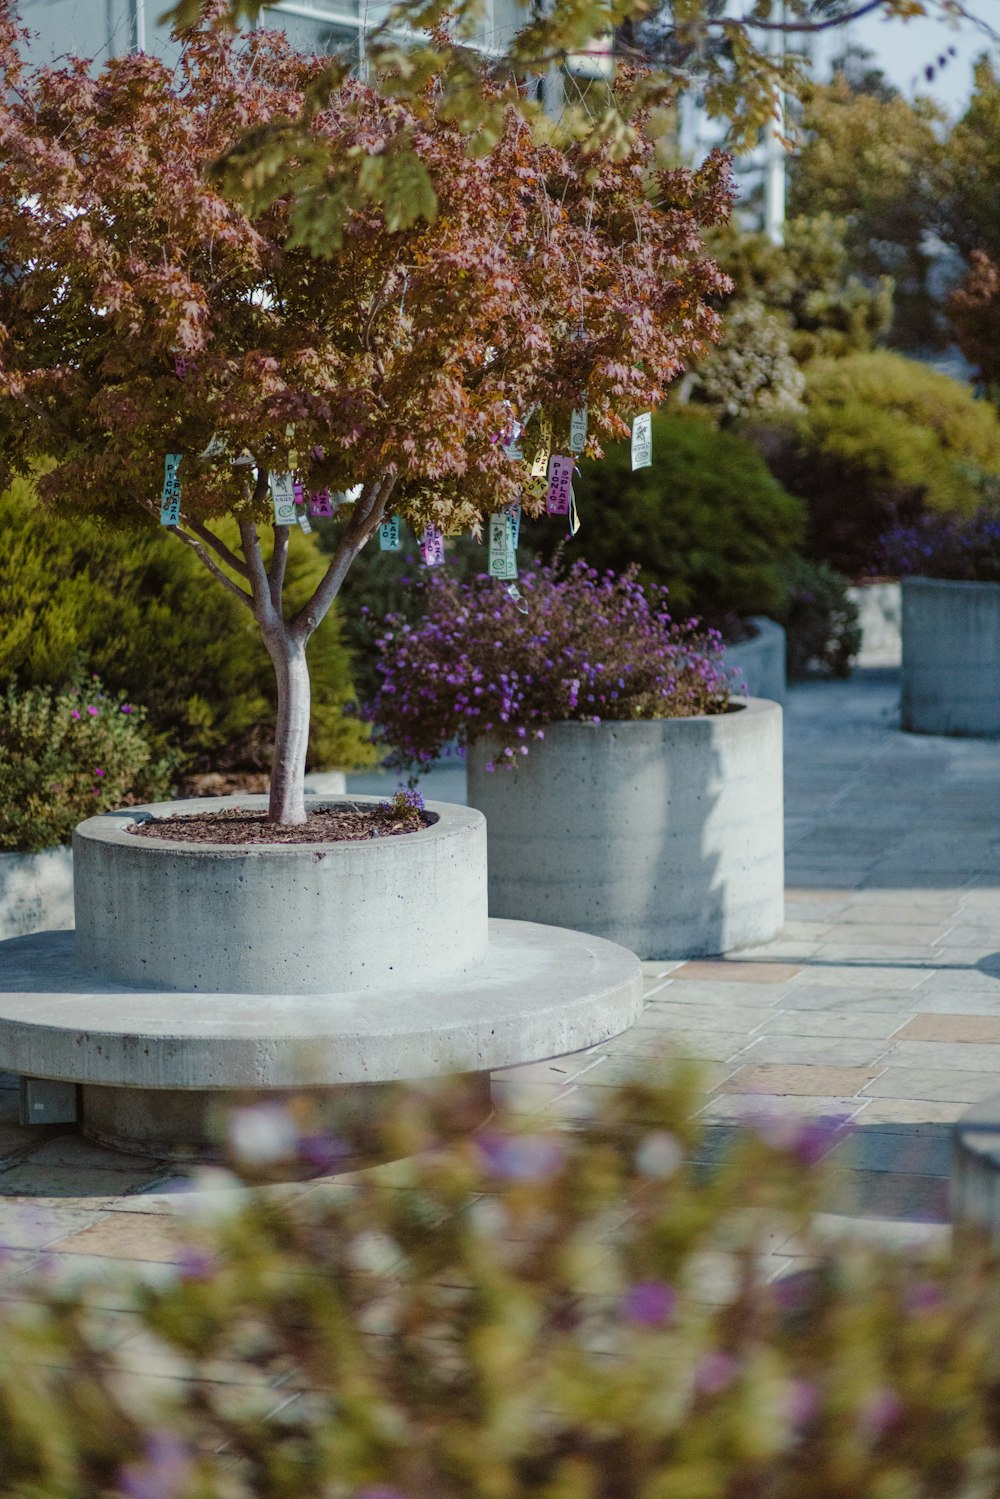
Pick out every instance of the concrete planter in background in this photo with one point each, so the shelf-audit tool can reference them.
(951, 657)
(879, 615)
(664, 836)
(36, 892)
(760, 660)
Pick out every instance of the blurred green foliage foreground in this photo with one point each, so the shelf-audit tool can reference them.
(573, 1314)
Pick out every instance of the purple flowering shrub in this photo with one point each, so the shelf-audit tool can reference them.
(527, 1312)
(966, 549)
(69, 755)
(589, 646)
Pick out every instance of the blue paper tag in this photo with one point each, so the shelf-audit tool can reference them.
(389, 539)
(170, 498)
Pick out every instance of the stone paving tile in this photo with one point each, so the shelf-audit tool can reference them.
(956, 982)
(54, 1183)
(848, 1001)
(740, 972)
(735, 1106)
(115, 1285)
(841, 1082)
(902, 1196)
(864, 975)
(558, 1071)
(815, 1051)
(979, 1056)
(27, 1225)
(691, 1017)
(134, 1236)
(691, 1044)
(911, 1112)
(902, 1151)
(879, 1024)
(934, 1083)
(718, 996)
(971, 1029)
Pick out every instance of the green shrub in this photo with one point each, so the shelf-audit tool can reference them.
(707, 519)
(883, 439)
(70, 756)
(528, 1314)
(140, 610)
(821, 622)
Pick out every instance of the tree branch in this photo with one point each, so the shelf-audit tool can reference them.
(368, 514)
(276, 573)
(219, 548)
(199, 551)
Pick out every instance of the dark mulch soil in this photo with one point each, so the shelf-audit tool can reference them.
(324, 825)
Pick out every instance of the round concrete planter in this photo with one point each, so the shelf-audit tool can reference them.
(663, 836)
(302, 918)
(760, 661)
(951, 657)
(204, 976)
(36, 892)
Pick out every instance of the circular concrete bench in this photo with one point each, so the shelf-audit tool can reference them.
(156, 1062)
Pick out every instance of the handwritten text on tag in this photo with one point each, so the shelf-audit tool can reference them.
(560, 482)
(170, 498)
(642, 440)
(389, 539)
(283, 499)
(432, 546)
(578, 430)
(502, 559)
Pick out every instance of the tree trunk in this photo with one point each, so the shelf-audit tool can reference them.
(291, 739)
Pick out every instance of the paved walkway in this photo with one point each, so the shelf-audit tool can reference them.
(881, 1001)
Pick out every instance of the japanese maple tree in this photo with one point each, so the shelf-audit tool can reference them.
(145, 312)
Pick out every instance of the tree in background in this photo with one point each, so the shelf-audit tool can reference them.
(151, 329)
(969, 220)
(872, 159)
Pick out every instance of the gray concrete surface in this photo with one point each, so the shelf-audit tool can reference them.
(540, 991)
(761, 660)
(307, 918)
(665, 836)
(951, 657)
(36, 892)
(880, 615)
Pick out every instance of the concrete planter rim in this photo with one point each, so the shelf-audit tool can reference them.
(739, 707)
(920, 580)
(111, 828)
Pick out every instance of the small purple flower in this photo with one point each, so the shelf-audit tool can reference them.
(880, 1412)
(127, 708)
(521, 1157)
(715, 1372)
(322, 1151)
(195, 1263)
(164, 1471)
(925, 1297)
(802, 1402)
(98, 771)
(649, 1303)
(75, 713)
(92, 711)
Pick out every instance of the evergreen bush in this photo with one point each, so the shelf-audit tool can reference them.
(70, 756)
(821, 623)
(707, 520)
(144, 614)
(530, 1313)
(884, 439)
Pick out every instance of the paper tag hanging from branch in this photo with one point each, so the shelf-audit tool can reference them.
(320, 504)
(389, 539)
(560, 484)
(574, 518)
(283, 499)
(170, 498)
(304, 523)
(502, 555)
(578, 430)
(540, 464)
(642, 441)
(432, 546)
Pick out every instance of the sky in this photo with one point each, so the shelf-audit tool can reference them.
(903, 49)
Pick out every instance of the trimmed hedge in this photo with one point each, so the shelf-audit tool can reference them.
(707, 519)
(884, 439)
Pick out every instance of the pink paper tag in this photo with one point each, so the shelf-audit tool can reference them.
(299, 493)
(432, 546)
(319, 503)
(180, 366)
(560, 483)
